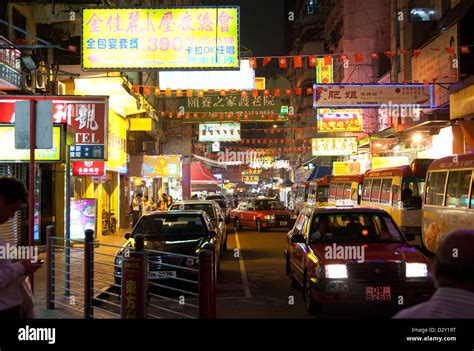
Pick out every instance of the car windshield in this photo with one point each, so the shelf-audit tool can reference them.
(202, 207)
(222, 203)
(171, 226)
(354, 227)
(215, 197)
(268, 205)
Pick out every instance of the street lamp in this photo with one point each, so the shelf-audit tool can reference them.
(416, 138)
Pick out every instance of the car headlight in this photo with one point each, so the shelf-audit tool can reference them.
(335, 271)
(414, 270)
(270, 217)
(293, 216)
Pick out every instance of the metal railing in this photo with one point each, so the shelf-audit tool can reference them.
(88, 279)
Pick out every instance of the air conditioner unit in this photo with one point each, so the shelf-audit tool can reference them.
(29, 81)
(150, 147)
(42, 77)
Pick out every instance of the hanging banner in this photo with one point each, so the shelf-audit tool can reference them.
(332, 121)
(161, 166)
(88, 115)
(334, 146)
(161, 38)
(219, 132)
(324, 71)
(372, 95)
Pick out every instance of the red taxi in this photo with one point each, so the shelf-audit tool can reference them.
(262, 213)
(354, 256)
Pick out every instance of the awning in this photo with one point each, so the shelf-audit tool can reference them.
(468, 131)
(209, 161)
(319, 172)
(201, 175)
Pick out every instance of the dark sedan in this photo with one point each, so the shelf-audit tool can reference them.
(173, 240)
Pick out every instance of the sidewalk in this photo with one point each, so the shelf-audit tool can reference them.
(77, 281)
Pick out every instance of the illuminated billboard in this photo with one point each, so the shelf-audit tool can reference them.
(243, 79)
(334, 146)
(219, 132)
(331, 121)
(161, 166)
(164, 38)
(9, 153)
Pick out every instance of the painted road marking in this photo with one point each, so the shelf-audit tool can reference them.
(243, 272)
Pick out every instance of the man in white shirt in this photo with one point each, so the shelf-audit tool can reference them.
(453, 271)
(12, 196)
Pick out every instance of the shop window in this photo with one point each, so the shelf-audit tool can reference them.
(457, 194)
(366, 190)
(385, 192)
(347, 191)
(340, 188)
(332, 191)
(435, 188)
(375, 194)
(395, 195)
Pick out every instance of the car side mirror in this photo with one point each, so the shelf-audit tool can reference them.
(297, 238)
(212, 233)
(127, 236)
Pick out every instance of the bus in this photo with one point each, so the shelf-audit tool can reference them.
(448, 204)
(346, 187)
(318, 192)
(301, 195)
(398, 190)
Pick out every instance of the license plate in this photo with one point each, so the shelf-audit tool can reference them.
(378, 293)
(283, 223)
(162, 275)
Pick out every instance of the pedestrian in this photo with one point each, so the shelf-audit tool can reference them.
(163, 202)
(144, 204)
(169, 202)
(136, 208)
(13, 195)
(151, 206)
(453, 270)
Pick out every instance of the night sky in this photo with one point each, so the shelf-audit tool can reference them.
(261, 25)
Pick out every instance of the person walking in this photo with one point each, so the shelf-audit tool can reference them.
(13, 195)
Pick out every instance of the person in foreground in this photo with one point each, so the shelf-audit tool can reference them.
(453, 271)
(12, 196)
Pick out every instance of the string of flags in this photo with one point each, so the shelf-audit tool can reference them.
(275, 117)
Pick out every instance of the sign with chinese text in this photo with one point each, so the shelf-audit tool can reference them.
(331, 121)
(88, 168)
(161, 166)
(334, 146)
(392, 161)
(88, 115)
(219, 132)
(93, 152)
(250, 179)
(324, 72)
(462, 103)
(262, 162)
(141, 124)
(161, 38)
(10, 68)
(8, 152)
(434, 63)
(134, 284)
(345, 168)
(247, 107)
(83, 216)
(371, 95)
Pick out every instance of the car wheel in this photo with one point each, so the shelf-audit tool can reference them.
(310, 304)
(237, 224)
(259, 225)
(293, 282)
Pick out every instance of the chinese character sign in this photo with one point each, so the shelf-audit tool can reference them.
(371, 95)
(331, 121)
(334, 146)
(219, 132)
(161, 166)
(165, 38)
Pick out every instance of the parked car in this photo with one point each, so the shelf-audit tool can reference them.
(354, 255)
(213, 210)
(170, 233)
(262, 213)
(223, 203)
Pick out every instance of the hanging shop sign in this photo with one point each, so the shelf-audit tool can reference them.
(161, 166)
(117, 144)
(372, 95)
(164, 38)
(219, 132)
(324, 70)
(83, 216)
(250, 179)
(8, 152)
(262, 162)
(235, 104)
(141, 124)
(10, 68)
(436, 61)
(334, 146)
(88, 168)
(462, 103)
(345, 168)
(392, 161)
(332, 121)
(88, 115)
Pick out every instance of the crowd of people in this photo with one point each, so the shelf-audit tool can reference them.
(143, 204)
